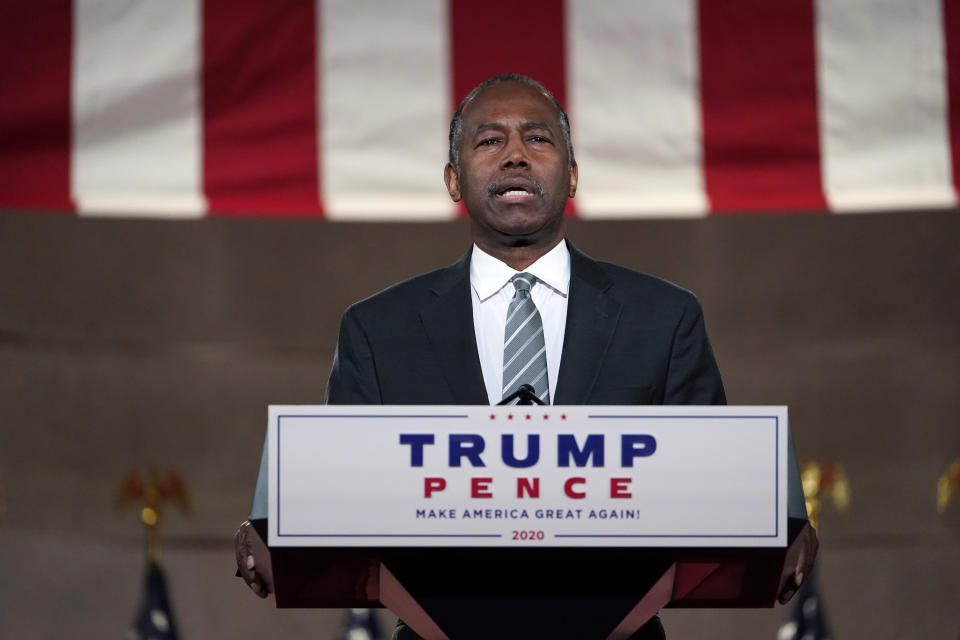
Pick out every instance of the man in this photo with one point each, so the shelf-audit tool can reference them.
(523, 306)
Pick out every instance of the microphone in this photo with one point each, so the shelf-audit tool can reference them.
(524, 394)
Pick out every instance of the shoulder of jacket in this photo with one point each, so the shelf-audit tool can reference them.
(414, 291)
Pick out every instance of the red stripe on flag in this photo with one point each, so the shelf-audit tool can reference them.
(35, 119)
(503, 36)
(951, 25)
(260, 152)
(761, 141)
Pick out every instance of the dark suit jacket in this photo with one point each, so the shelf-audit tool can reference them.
(630, 339)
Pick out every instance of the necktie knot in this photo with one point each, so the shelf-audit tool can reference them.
(523, 282)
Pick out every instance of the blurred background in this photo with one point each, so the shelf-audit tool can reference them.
(192, 192)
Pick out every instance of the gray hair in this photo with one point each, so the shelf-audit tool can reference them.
(456, 124)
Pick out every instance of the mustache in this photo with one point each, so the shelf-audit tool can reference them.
(497, 186)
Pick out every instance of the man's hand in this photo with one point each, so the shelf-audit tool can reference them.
(253, 560)
(798, 563)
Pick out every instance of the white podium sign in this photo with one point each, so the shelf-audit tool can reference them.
(559, 476)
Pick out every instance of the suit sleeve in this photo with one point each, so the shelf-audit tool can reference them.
(258, 510)
(796, 501)
(353, 377)
(693, 376)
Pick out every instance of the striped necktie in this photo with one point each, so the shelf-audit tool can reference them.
(524, 351)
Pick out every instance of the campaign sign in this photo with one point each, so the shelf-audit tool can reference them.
(381, 476)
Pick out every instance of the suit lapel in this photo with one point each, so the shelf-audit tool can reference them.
(448, 321)
(592, 316)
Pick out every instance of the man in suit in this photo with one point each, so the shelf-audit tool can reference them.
(624, 337)
(595, 333)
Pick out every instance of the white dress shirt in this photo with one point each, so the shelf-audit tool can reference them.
(492, 292)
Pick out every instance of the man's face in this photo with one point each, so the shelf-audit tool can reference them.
(515, 174)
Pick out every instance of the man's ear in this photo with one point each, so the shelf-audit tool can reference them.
(574, 176)
(452, 180)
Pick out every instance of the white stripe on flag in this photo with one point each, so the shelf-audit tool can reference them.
(883, 104)
(634, 102)
(385, 109)
(136, 108)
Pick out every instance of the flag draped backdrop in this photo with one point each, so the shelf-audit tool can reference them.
(339, 108)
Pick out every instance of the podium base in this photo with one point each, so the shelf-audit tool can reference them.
(525, 593)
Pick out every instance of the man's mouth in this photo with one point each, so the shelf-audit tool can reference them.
(516, 190)
(514, 193)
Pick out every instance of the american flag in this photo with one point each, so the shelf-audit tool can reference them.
(154, 619)
(808, 620)
(361, 624)
(339, 108)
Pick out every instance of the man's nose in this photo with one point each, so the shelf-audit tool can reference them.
(515, 153)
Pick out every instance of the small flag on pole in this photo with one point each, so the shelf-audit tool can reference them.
(154, 619)
(361, 624)
(807, 621)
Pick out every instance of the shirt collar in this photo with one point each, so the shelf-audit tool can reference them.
(488, 275)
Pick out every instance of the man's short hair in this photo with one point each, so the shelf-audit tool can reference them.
(456, 124)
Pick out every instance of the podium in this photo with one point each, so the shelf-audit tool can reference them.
(583, 524)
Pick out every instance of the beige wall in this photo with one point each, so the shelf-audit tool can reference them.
(124, 342)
